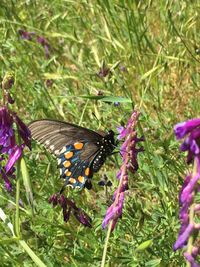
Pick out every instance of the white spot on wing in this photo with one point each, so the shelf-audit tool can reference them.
(63, 150)
(70, 185)
(56, 151)
(77, 187)
(52, 147)
(47, 142)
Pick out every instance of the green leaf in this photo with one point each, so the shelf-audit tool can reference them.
(109, 98)
(153, 263)
(27, 182)
(144, 245)
(148, 73)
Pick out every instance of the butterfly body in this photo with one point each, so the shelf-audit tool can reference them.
(80, 151)
(106, 146)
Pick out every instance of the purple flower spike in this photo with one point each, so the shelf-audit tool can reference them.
(190, 131)
(114, 212)
(68, 207)
(129, 153)
(10, 151)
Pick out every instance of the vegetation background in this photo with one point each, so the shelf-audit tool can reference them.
(151, 49)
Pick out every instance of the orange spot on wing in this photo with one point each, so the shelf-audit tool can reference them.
(78, 145)
(69, 154)
(67, 163)
(72, 180)
(81, 179)
(68, 173)
(87, 171)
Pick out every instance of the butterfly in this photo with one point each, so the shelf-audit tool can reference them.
(80, 151)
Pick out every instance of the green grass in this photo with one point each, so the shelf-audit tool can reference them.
(157, 42)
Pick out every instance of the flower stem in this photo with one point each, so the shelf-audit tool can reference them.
(106, 245)
(17, 224)
(30, 252)
(191, 238)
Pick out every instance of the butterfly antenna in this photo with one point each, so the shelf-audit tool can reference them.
(119, 151)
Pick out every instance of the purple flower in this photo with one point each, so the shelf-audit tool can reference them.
(105, 182)
(49, 82)
(123, 68)
(116, 104)
(114, 212)
(129, 152)
(14, 156)
(183, 128)
(7, 136)
(69, 207)
(43, 41)
(190, 131)
(6, 179)
(191, 260)
(54, 200)
(181, 241)
(99, 93)
(40, 39)
(103, 72)
(122, 132)
(24, 131)
(26, 35)
(188, 189)
(82, 217)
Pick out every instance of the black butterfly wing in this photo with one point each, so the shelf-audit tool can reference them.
(55, 134)
(75, 147)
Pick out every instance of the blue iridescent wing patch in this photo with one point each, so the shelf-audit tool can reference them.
(72, 168)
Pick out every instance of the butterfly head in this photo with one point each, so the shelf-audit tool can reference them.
(111, 137)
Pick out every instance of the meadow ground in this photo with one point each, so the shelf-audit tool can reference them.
(65, 55)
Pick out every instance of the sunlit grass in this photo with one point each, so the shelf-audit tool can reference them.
(156, 43)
